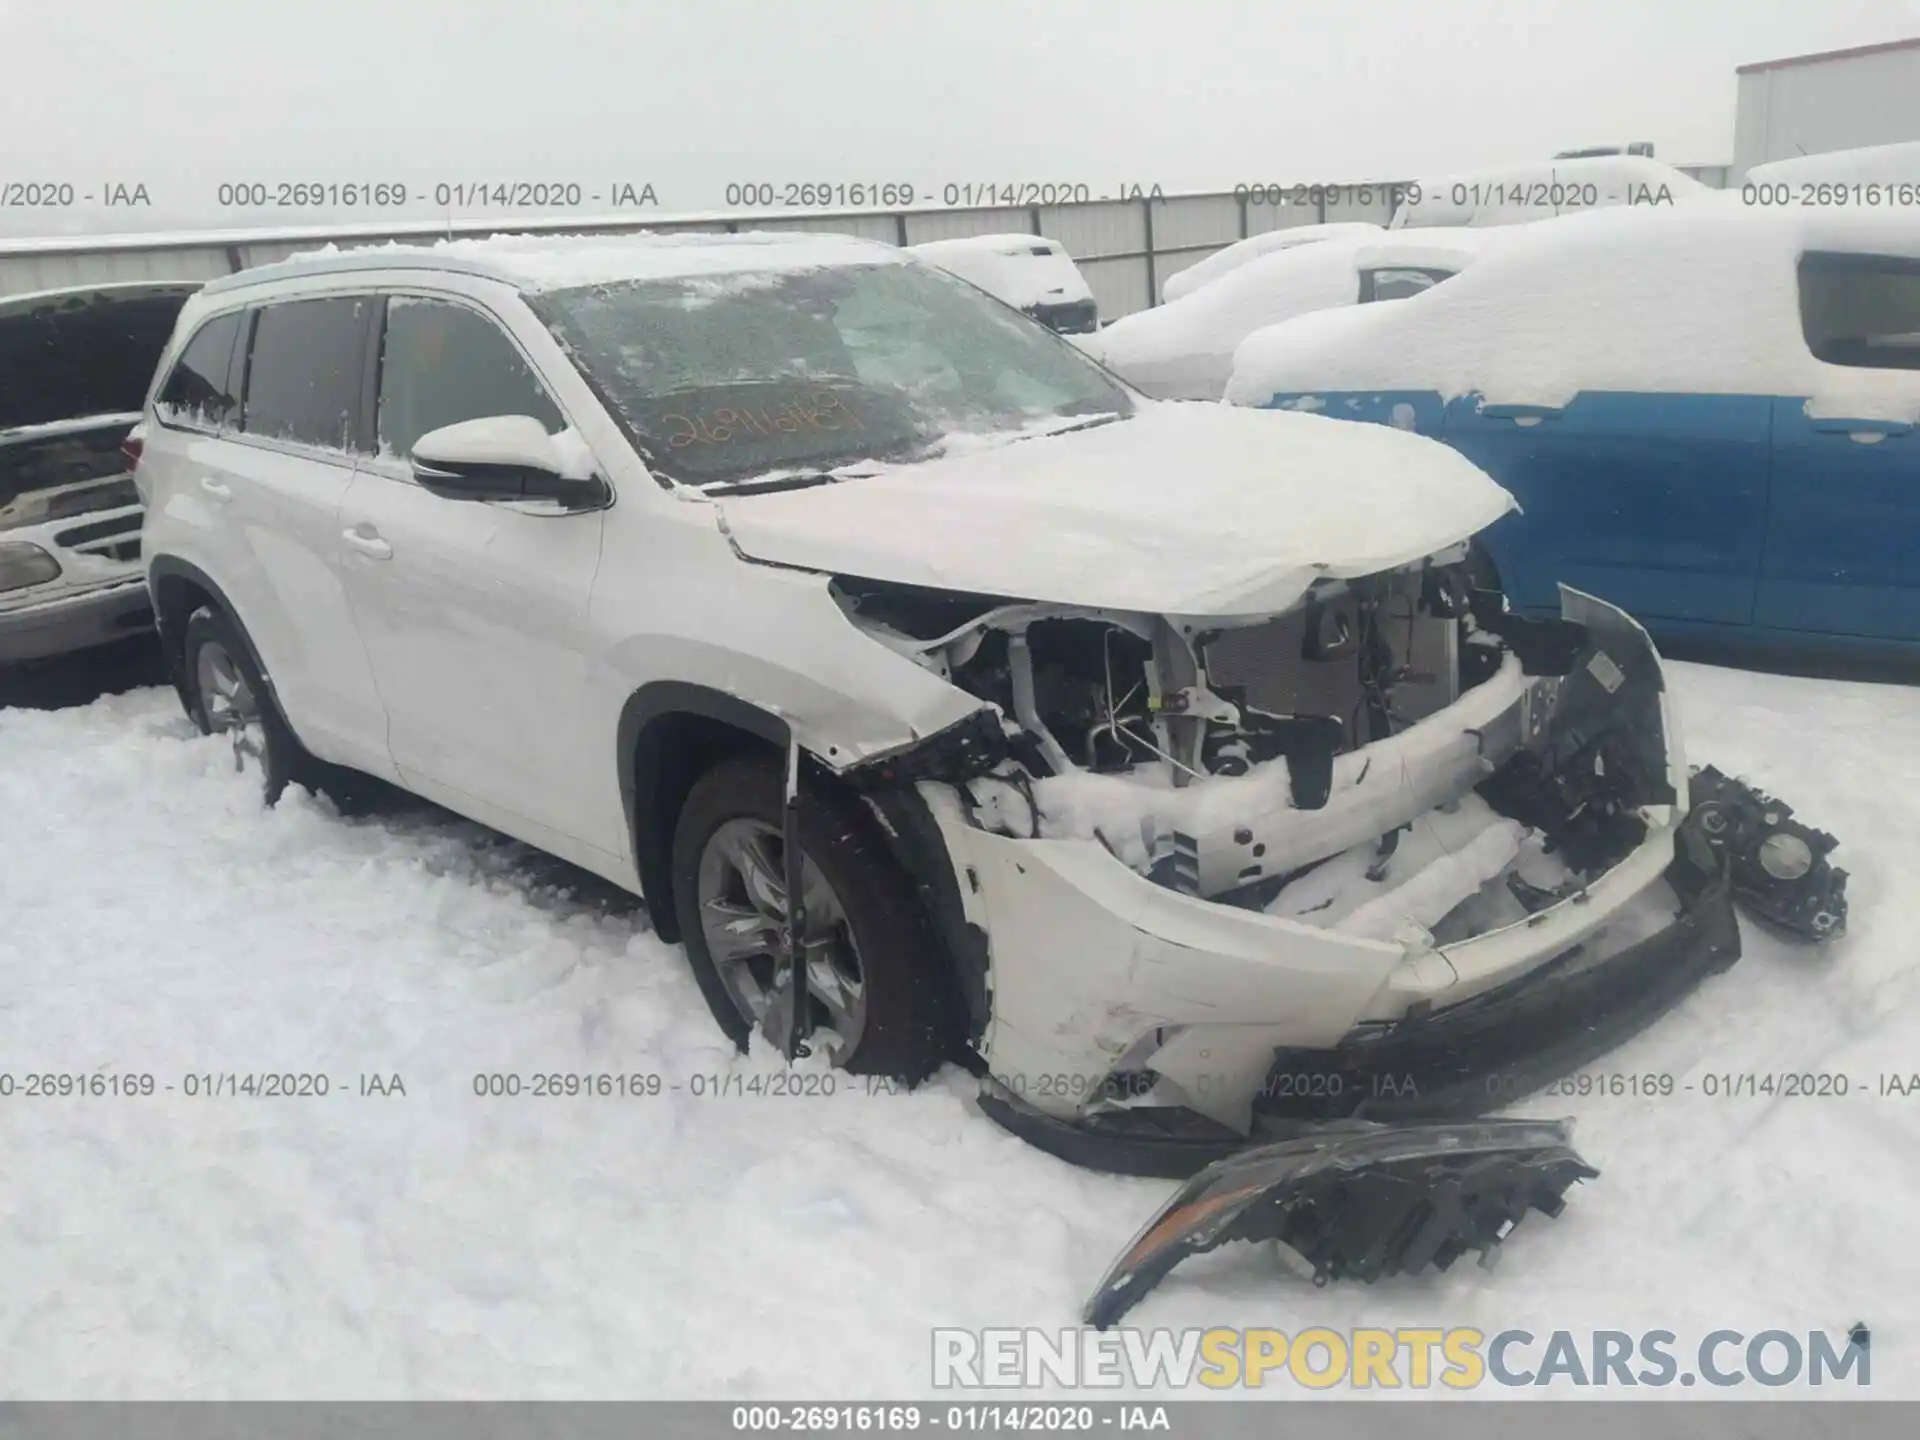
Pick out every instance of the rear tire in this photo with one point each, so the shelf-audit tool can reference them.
(224, 690)
(875, 929)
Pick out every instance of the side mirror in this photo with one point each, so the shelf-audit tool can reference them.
(501, 457)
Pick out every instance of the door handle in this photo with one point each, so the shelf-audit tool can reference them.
(1520, 413)
(217, 490)
(371, 546)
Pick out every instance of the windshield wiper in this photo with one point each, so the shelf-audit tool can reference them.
(792, 480)
(1088, 424)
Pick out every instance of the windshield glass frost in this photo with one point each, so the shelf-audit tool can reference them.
(729, 377)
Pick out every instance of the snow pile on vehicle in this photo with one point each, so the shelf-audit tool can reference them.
(537, 262)
(1205, 271)
(1022, 270)
(1695, 299)
(1184, 350)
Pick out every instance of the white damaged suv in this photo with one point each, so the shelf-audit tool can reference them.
(1162, 763)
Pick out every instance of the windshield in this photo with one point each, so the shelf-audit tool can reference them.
(722, 378)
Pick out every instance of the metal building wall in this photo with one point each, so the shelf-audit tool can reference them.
(1816, 103)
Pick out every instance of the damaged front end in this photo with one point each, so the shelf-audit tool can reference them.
(1394, 852)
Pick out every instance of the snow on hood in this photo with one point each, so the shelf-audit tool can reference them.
(1200, 510)
(1205, 271)
(1022, 270)
(1697, 299)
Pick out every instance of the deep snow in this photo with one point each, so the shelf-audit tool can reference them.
(157, 919)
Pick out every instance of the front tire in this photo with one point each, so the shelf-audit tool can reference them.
(880, 997)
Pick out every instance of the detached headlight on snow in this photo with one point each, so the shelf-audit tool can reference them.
(22, 565)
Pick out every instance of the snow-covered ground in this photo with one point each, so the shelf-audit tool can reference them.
(154, 919)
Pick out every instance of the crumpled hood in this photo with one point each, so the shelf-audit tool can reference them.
(1202, 510)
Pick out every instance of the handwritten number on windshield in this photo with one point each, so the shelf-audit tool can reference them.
(730, 423)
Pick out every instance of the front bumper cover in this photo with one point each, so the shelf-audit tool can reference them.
(1458, 1062)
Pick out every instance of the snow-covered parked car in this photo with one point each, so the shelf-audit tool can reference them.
(1183, 350)
(1225, 261)
(944, 698)
(1707, 414)
(1519, 194)
(74, 365)
(1033, 274)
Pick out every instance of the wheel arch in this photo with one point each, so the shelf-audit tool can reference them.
(178, 588)
(672, 732)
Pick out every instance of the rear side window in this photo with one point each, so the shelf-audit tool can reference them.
(442, 363)
(1861, 310)
(196, 395)
(303, 371)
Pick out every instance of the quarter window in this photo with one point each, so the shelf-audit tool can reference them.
(1861, 310)
(303, 371)
(441, 364)
(196, 395)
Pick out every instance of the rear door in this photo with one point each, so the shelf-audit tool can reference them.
(278, 479)
(475, 613)
(1843, 542)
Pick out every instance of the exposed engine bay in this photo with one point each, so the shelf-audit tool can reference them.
(1233, 762)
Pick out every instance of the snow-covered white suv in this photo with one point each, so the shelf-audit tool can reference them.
(1161, 762)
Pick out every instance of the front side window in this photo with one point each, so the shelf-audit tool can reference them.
(725, 377)
(303, 371)
(1861, 310)
(442, 363)
(196, 395)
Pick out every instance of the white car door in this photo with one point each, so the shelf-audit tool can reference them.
(475, 613)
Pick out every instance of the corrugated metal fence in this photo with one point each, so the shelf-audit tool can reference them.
(1126, 248)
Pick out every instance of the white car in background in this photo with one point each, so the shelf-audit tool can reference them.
(1519, 194)
(1031, 273)
(1184, 350)
(1205, 271)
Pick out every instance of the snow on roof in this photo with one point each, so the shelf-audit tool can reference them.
(1022, 270)
(1183, 350)
(1435, 247)
(557, 262)
(1867, 165)
(1694, 299)
(1204, 272)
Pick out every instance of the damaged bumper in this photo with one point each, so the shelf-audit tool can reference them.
(1445, 1064)
(1140, 1029)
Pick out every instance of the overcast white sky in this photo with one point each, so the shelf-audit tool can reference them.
(182, 95)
